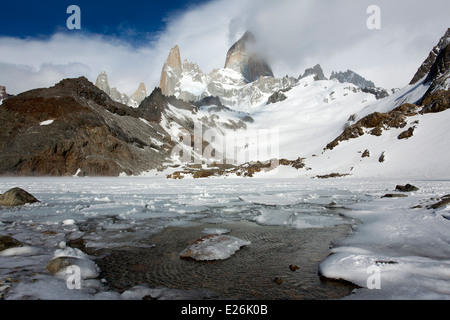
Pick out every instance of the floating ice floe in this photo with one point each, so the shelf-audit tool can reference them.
(213, 247)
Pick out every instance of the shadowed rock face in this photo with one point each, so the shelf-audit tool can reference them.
(426, 66)
(244, 59)
(437, 97)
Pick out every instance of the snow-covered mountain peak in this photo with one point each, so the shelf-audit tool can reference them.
(190, 83)
(317, 71)
(351, 77)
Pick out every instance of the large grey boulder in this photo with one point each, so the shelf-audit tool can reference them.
(16, 197)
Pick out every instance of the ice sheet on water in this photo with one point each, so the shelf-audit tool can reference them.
(133, 209)
(19, 251)
(277, 199)
(407, 243)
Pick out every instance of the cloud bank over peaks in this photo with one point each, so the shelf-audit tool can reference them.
(294, 35)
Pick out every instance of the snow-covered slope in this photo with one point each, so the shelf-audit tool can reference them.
(401, 135)
(313, 114)
(424, 155)
(409, 94)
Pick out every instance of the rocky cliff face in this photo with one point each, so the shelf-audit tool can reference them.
(171, 72)
(426, 66)
(243, 57)
(439, 75)
(437, 98)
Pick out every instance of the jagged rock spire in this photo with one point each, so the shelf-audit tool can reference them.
(172, 67)
(140, 94)
(102, 83)
(242, 57)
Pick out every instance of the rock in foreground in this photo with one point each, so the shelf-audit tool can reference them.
(213, 247)
(7, 242)
(59, 266)
(16, 197)
(406, 188)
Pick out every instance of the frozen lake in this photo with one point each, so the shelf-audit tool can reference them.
(135, 228)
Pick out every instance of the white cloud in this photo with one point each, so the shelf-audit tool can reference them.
(21, 78)
(294, 34)
(28, 64)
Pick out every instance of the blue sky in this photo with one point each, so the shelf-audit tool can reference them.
(130, 40)
(131, 20)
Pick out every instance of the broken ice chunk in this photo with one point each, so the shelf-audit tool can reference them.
(213, 247)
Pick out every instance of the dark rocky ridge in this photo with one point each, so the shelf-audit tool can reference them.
(152, 107)
(76, 128)
(90, 134)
